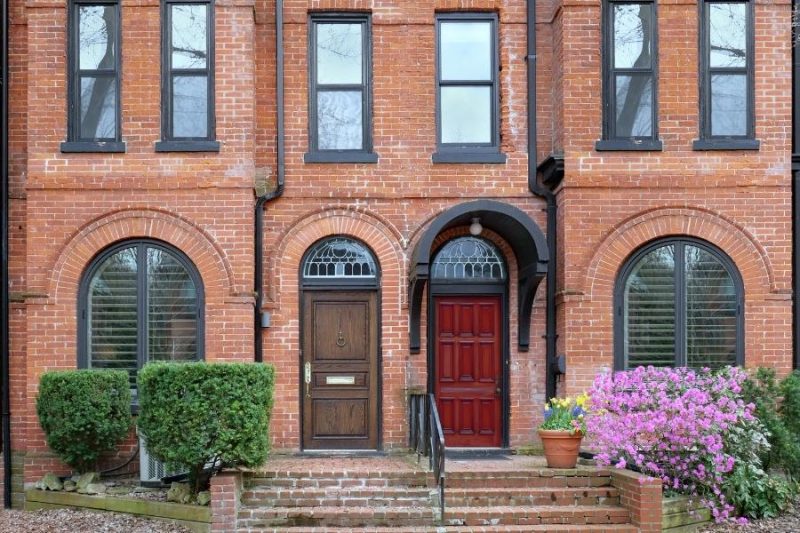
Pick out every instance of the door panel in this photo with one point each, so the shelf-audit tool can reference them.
(340, 391)
(469, 368)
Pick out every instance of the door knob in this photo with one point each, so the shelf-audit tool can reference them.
(498, 391)
(307, 372)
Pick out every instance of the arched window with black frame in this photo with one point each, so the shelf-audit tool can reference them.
(679, 302)
(140, 301)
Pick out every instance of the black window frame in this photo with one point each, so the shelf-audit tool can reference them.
(610, 140)
(169, 142)
(680, 242)
(366, 153)
(707, 141)
(74, 142)
(470, 152)
(141, 282)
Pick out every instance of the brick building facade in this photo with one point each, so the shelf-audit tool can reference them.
(399, 198)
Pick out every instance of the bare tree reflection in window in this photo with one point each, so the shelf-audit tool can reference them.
(97, 64)
(633, 52)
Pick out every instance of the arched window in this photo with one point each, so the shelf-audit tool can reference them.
(468, 259)
(140, 301)
(678, 302)
(339, 258)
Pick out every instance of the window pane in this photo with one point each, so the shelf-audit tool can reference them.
(98, 107)
(634, 101)
(97, 27)
(711, 320)
(190, 106)
(728, 104)
(466, 114)
(189, 44)
(112, 314)
(650, 310)
(465, 51)
(171, 309)
(727, 33)
(339, 51)
(632, 35)
(339, 120)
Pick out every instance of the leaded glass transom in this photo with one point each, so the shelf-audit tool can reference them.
(469, 259)
(340, 257)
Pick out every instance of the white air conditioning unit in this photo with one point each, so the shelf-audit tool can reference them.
(151, 470)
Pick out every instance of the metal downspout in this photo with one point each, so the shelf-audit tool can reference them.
(795, 187)
(543, 192)
(258, 275)
(4, 331)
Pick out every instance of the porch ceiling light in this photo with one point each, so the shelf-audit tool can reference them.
(475, 228)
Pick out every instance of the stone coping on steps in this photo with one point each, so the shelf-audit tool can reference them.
(194, 517)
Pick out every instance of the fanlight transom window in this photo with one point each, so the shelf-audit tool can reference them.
(469, 259)
(342, 258)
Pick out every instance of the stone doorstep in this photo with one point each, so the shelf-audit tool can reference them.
(549, 528)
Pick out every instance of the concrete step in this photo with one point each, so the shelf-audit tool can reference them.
(531, 496)
(358, 496)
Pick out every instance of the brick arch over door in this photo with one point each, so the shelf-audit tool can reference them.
(282, 339)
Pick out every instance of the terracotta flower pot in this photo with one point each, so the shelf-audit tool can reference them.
(560, 447)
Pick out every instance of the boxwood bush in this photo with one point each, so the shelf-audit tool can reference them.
(195, 414)
(84, 413)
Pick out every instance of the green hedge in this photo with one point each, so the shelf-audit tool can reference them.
(194, 414)
(84, 413)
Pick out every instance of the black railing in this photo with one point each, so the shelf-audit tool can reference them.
(426, 437)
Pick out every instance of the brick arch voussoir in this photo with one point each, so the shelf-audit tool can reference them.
(382, 237)
(200, 247)
(739, 244)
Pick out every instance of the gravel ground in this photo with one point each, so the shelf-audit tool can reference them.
(788, 523)
(58, 520)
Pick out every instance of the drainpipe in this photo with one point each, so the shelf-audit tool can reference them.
(550, 198)
(795, 186)
(4, 345)
(261, 202)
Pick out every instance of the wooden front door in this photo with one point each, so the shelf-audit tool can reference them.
(339, 377)
(469, 369)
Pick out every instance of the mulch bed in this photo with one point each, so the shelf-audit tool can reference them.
(57, 520)
(789, 522)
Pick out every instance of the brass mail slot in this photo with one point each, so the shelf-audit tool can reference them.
(340, 380)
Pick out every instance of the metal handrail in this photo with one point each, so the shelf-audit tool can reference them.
(425, 437)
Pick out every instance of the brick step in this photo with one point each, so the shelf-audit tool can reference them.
(337, 496)
(536, 515)
(342, 479)
(487, 497)
(550, 528)
(347, 517)
(528, 479)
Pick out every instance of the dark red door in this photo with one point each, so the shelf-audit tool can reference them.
(468, 361)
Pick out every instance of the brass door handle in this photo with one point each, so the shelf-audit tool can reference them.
(307, 372)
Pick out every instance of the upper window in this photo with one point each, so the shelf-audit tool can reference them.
(630, 110)
(187, 81)
(679, 302)
(94, 66)
(467, 125)
(339, 89)
(726, 75)
(140, 301)
(469, 259)
(339, 258)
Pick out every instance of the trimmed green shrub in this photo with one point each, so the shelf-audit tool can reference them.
(84, 413)
(195, 414)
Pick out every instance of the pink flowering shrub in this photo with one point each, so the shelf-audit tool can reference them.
(671, 424)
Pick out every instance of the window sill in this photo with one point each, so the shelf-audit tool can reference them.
(86, 147)
(469, 157)
(187, 146)
(628, 145)
(726, 144)
(340, 157)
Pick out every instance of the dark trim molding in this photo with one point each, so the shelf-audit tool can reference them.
(467, 156)
(680, 243)
(513, 225)
(726, 144)
(629, 145)
(340, 157)
(87, 147)
(187, 146)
